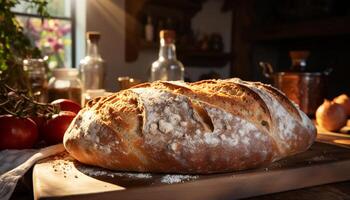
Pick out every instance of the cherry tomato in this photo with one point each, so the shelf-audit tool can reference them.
(54, 129)
(17, 133)
(67, 105)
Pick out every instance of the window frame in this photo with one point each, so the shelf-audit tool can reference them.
(72, 20)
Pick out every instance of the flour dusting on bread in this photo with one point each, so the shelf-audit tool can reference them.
(204, 127)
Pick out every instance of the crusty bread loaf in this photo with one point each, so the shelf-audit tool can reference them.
(203, 127)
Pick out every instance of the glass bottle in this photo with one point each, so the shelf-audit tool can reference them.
(65, 84)
(36, 73)
(149, 30)
(92, 65)
(167, 67)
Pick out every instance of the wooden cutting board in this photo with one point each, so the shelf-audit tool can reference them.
(62, 177)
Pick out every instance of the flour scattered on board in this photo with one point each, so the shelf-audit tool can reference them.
(166, 179)
(92, 171)
(319, 158)
(170, 179)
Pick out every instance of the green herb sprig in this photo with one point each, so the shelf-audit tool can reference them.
(16, 102)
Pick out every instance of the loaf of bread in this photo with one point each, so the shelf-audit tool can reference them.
(194, 128)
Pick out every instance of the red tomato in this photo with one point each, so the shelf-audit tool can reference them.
(17, 133)
(54, 129)
(67, 105)
(40, 122)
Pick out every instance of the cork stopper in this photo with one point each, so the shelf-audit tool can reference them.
(167, 35)
(93, 35)
(299, 55)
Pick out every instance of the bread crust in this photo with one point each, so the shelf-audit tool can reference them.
(198, 128)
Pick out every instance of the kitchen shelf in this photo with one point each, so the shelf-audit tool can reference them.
(169, 14)
(145, 45)
(193, 58)
(336, 26)
(204, 58)
(180, 4)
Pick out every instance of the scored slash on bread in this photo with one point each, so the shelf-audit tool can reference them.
(224, 95)
(203, 127)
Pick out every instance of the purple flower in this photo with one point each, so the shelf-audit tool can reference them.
(57, 46)
(64, 29)
(50, 39)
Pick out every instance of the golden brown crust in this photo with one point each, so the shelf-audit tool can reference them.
(284, 101)
(223, 95)
(242, 96)
(204, 127)
(289, 121)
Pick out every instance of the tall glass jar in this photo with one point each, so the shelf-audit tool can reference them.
(65, 84)
(35, 70)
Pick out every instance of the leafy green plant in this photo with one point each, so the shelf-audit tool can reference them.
(14, 45)
(15, 94)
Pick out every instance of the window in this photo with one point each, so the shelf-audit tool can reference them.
(55, 35)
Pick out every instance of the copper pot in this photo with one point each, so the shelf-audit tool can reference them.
(307, 89)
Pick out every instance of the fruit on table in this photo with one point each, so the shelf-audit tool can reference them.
(39, 121)
(17, 133)
(67, 105)
(331, 116)
(344, 101)
(54, 128)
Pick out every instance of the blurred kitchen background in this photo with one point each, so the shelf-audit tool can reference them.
(214, 38)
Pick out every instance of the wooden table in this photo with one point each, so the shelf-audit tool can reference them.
(330, 191)
(324, 192)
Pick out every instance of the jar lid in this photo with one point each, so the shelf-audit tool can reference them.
(123, 78)
(32, 61)
(65, 72)
(96, 93)
(33, 64)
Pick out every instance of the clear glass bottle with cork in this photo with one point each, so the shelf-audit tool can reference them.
(149, 30)
(167, 67)
(92, 65)
(92, 69)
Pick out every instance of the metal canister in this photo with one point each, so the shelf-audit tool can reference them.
(307, 89)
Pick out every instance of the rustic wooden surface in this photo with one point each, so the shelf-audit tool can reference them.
(321, 164)
(325, 192)
(339, 191)
(329, 191)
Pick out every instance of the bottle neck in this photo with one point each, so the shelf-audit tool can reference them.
(92, 48)
(167, 50)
